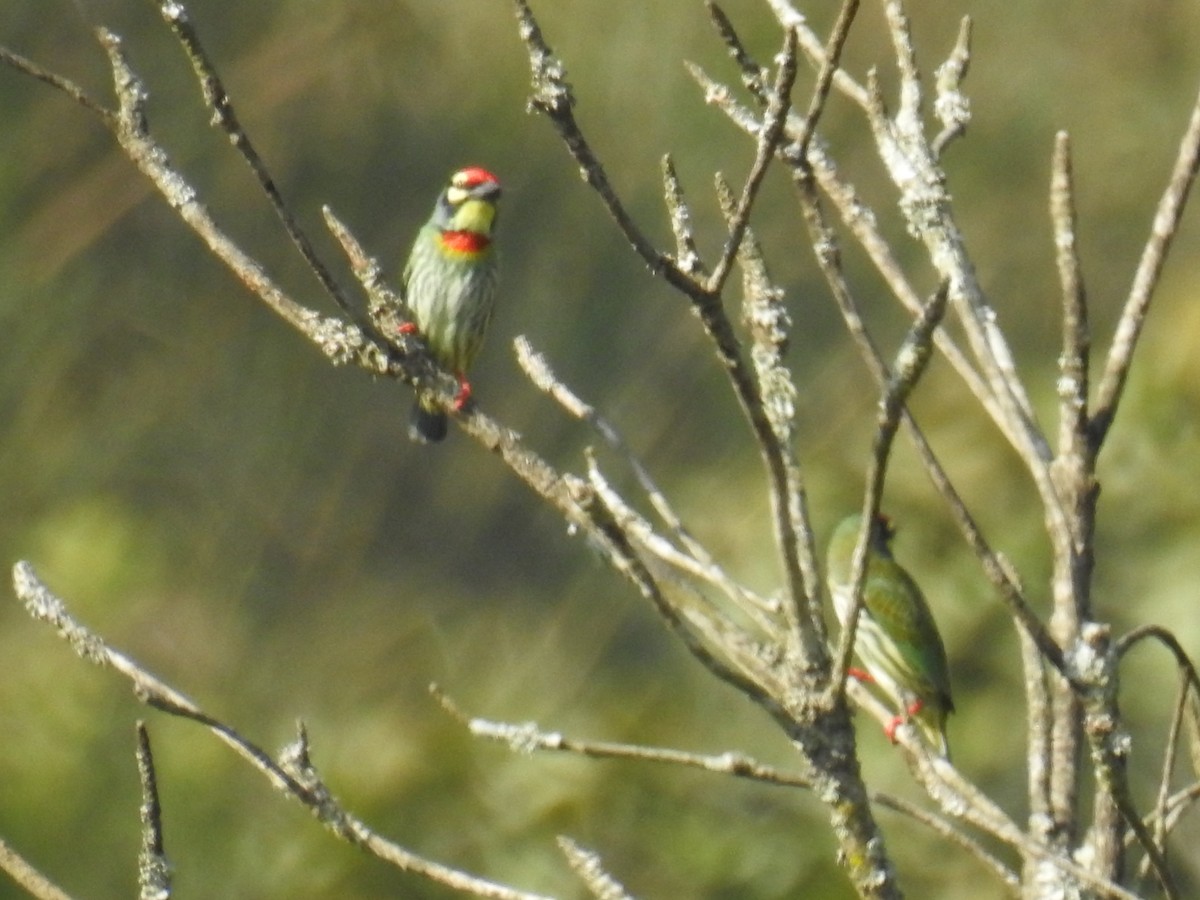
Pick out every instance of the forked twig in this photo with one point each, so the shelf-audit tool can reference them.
(697, 560)
(769, 137)
(225, 117)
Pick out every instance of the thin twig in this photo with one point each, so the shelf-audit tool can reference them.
(224, 117)
(553, 98)
(825, 244)
(538, 369)
(862, 222)
(769, 412)
(1074, 361)
(68, 87)
(754, 76)
(626, 560)
(685, 570)
(1131, 639)
(154, 873)
(339, 342)
(1145, 280)
(909, 366)
(1157, 820)
(965, 800)
(815, 49)
(302, 785)
(1094, 659)
(769, 136)
(528, 738)
(27, 877)
(589, 867)
(686, 254)
(1037, 751)
(829, 67)
(951, 106)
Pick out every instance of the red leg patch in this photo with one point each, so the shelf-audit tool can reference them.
(913, 708)
(896, 722)
(463, 397)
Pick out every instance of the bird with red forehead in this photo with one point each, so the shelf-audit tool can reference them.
(449, 287)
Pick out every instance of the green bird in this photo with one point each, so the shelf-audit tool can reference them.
(449, 286)
(897, 639)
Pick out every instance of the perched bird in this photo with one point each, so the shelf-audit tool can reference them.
(449, 286)
(897, 639)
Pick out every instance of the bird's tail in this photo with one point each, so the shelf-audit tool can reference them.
(427, 424)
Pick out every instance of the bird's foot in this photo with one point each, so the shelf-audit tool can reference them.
(463, 397)
(913, 708)
(860, 675)
(407, 328)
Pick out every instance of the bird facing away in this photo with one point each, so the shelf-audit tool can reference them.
(897, 639)
(449, 286)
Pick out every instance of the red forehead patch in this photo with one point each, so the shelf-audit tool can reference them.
(472, 176)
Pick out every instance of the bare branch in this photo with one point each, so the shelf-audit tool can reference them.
(303, 785)
(1074, 362)
(1013, 418)
(1094, 662)
(340, 343)
(696, 561)
(27, 877)
(925, 203)
(1145, 280)
(588, 866)
(529, 738)
(829, 67)
(686, 254)
(768, 142)
(224, 117)
(552, 97)
(68, 87)
(966, 801)
(825, 245)
(1157, 820)
(951, 105)
(154, 873)
(789, 17)
(1037, 718)
(911, 360)
(1127, 642)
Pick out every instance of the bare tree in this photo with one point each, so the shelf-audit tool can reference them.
(775, 650)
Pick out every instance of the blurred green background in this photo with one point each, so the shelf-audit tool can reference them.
(254, 527)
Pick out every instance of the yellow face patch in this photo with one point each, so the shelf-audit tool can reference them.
(472, 215)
